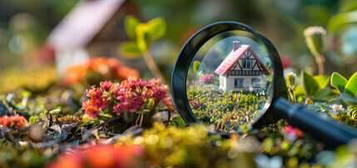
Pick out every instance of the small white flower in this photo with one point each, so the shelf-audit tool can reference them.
(337, 108)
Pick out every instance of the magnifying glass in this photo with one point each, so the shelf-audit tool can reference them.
(230, 76)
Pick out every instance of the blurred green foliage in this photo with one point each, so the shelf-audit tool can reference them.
(142, 34)
(21, 156)
(34, 80)
(281, 21)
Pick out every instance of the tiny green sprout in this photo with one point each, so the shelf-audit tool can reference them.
(142, 35)
(291, 80)
(315, 37)
(291, 83)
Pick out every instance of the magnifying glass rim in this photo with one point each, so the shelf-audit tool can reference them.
(188, 52)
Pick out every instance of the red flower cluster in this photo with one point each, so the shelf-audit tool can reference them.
(129, 96)
(101, 156)
(13, 121)
(108, 68)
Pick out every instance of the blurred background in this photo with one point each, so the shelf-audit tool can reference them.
(34, 32)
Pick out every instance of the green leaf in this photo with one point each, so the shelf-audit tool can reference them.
(130, 24)
(340, 21)
(351, 86)
(156, 28)
(310, 85)
(142, 40)
(146, 33)
(129, 50)
(324, 91)
(338, 81)
(322, 80)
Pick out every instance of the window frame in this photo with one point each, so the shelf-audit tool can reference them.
(238, 83)
(255, 81)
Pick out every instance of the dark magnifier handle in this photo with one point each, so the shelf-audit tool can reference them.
(331, 133)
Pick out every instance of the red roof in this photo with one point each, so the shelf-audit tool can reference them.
(233, 57)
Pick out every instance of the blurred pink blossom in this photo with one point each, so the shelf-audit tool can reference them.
(207, 78)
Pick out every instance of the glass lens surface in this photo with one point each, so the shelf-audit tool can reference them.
(229, 83)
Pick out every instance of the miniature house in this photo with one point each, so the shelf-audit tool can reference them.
(241, 70)
(91, 28)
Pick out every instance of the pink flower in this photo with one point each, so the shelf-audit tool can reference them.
(207, 78)
(286, 62)
(129, 96)
(134, 93)
(97, 100)
(106, 85)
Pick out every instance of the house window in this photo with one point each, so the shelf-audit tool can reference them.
(238, 83)
(247, 63)
(256, 82)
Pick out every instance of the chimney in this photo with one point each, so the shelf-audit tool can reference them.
(236, 45)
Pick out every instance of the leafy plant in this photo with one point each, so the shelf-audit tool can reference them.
(345, 87)
(315, 87)
(143, 35)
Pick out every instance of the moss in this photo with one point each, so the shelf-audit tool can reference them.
(227, 111)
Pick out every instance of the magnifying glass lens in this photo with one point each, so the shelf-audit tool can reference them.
(229, 83)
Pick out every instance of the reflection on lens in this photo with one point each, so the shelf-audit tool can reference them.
(229, 81)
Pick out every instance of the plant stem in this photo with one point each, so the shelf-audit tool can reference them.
(150, 62)
(320, 61)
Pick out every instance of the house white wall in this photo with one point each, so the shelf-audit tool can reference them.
(222, 82)
(227, 83)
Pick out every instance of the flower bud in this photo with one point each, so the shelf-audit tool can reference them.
(315, 37)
